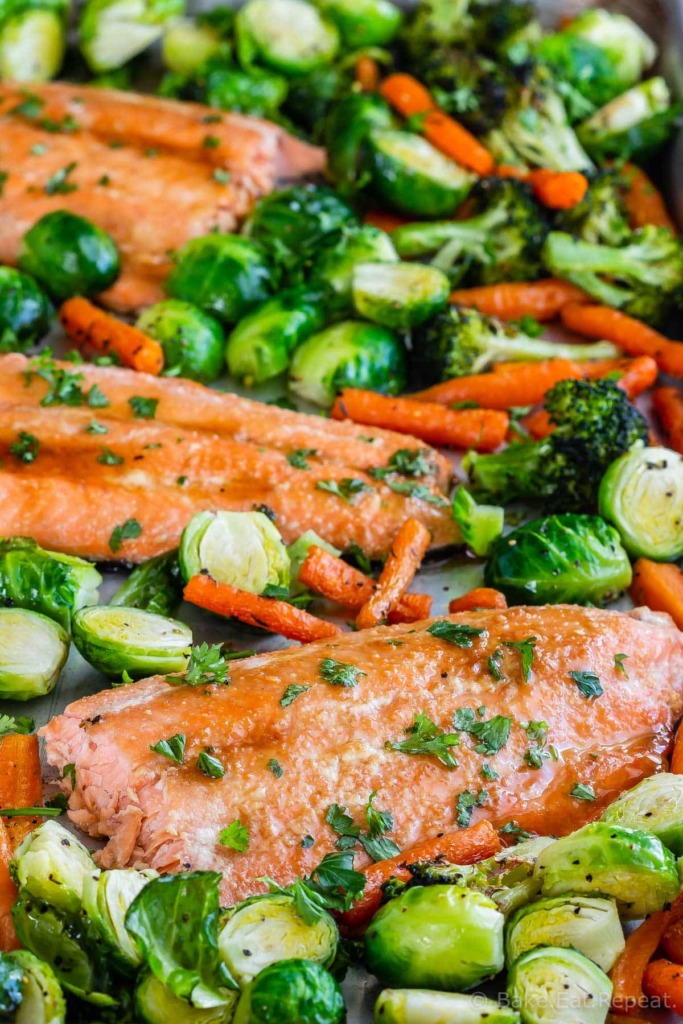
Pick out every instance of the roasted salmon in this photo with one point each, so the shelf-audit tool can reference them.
(339, 743)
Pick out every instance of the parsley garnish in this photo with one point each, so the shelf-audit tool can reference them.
(30, 107)
(493, 663)
(211, 142)
(26, 448)
(4, 175)
(454, 633)
(143, 408)
(513, 829)
(356, 553)
(420, 491)
(96, 398)
(588, 683)
(221, 175)
(333, 885)
(488, 773)
(210, 765)
(58, 183)
(374, 842)
(276, 768)
(110, 458)
(298, 458)
(492, 735)
(126, 531)
(582, 791)
(96, 428)
(291, 693)
(424, 737)
(342, 823)
(349, 489)
(465, 804)
(526, 650)
(21, 725)
(207, 665)
(69, 772)
(64, 388)
(534, 757)
(406, 462)
(173, 747)
(339, 674)
(236, 836)
(307, 842)
(619, 660)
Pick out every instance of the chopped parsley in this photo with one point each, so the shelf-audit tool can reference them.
(307, 842)
(357, 555)
(39, 149)
(332, 885)
(26, 448)
(339, 674)
(291, 693)
(4, 175)
(21, 724)
(58, 183)
(488, 773)
(69, 772)
(537, 731)
(406, 462)
(30, 107)
(210, 765)
(211, 142)
(619, 660)
(492, 735)
(425, 737)
(96, 398)
(143, 408)
(588, 683)
(276, 768)
(341, 822)
(511, 828)
(526, 651)
(96, 428)
(173, 747)
(582, 791)
(126, 531)
(420, 491)
(221, 175)
(349, 489)
(454, 633)
(493, 663)
(535, 756)
(465, 804)
(235, 836)
(64, 388)
(207, 665)
(374, 841)
(110, 458)
(298, 457)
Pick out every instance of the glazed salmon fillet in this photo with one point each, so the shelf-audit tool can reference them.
(332, 741)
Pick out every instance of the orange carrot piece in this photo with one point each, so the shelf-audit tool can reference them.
(633, 336)
(511, 171)
(367, 73)
(411, 608)
(663, 981)
(659, 585)
(669, 408)
(384, 221)
(20, 782)
(406, 95)
(454, 141)
(542, 300)
(644, 201)
(508, 384)
(408, 548)
(672, 942)
(482, 429)
(558, 190)
(91, 327)
(480, 597)
(8, 894)
(628, 971)
(266, 612)
(463, 846)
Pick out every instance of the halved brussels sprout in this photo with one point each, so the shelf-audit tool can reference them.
(156, 1004)
(656, 805)
(264, 931)
(244, 549)
(297, 555)
(399, 295)
(631, 866)
(33, 650)
(225, 275)
(116, 639)
(291, 992)
(155, 586)
(336, 263)
(421, 1006)
(364, 22)
(42, 1001)
(440, 936)
(481, 525)
(188, 43)
(642, 495)
(559, 986)
(193, 342)
(25, 311)
(256, 91)
(52, 865)
(48, 582)
(291, 36)
(69, 255)
(32, 40)
(413, 176)
(589, 924)
(350, 122)
(636, 123)
(107, 896)
(112, 32)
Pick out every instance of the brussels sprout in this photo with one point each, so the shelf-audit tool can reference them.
(442, 936)
(260, 347)
(224, 275)
(630, 50)
(52, 865)
(156, 1004)
(413, 176)
(347, 128)
(364, 22)
(480, 525)
(116, 639)
(297, 556)
(264, 931)
(42, 1001)
(69, 256)
(569, 558)
(399, 295)
(589, 924)
(421, 1006)
(244, 549)
(155, 586)
(32, 39)
(642, 495)
(33, 650)
(193, 342)
(188, 43)
(336, 263)
(634, 124)
(251, 92)
(292, 992)
(655, 805)
(631, 866)
(112, 32)
(350, 354)
(291, 36)
(107, 896)
(25, 311)
(559, 986)
(48, 582)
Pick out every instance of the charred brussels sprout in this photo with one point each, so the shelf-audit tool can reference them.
(589, 924)
(40, 994)
(442, 937)
(116, 639)
(69, 255)
(422, 1006)
(413, 177)
(189, 43)
(348, 126)
(25, 311)
(563, 559)
(193, 342)
(351, 354)
(244, 549)
(634, 124)
(399, 295)
(225, 275)
(253, 92)
(32, 39)
(33, 650)
(364, 22)
(53, 584)
(291, 36)
(107, 896)
(112, 32)
(336, 263)
(656, 805)
(52, 865)
(156, 1004)
(291, 992)
(559, 986)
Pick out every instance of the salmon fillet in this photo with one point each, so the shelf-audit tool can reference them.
(331, 740)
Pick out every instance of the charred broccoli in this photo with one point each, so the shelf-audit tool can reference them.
(601, 217)
(469, 86)
(484, 24)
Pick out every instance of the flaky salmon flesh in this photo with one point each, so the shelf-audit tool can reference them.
(202, 449)
(332, 741)
(141, 167)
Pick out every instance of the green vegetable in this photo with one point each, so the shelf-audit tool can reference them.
(42, 581)
(25, 311)
(188, 43)
(292, 992)
(32, 39)
(421, 1006)
(52, 865)
(589, 924)
(635, 124)
(349, 354)
(254, 92)
(399, 295)
(264, 931)
(225, 275)
(33, 650)
(193, 342)
(299, 550)
(116, 639)
(559, 986)
(69, 255)
(106, 898)
(562, 559)
(656, 805)
(631, 866)
(337, 262)
(347, 128)
(156, 1004)
(412, 176)
(364, 22)
(443, 23)
(442, 936)
(41, 997)
(155, 586)
(480, 525)
(244, 549)
(112, 32)
(260, 347)
(601, 216)
(291, 36)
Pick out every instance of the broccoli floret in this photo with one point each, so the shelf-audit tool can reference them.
(643, 277)
(601, 217)
(479, 24)
(468, 86)
(594, 424)
(462, 341)
(502, 241)
(635, 124)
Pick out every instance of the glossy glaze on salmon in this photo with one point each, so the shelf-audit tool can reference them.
(331, 740)
(142, 170)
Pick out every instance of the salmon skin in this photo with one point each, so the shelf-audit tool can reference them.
(133, 159)
(331, 741)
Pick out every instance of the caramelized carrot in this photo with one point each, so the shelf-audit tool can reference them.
(558, 190)
(644, 201)
(482, 429)
(508, 384)
(512, 171)
(542, 300)
(384, 221)
(659, 586)
(454, 141)
(669, 408)
(664, 981)
(633, 336)
(20, 782)
(480, 597)
(628, 971)
(408, 548)
(265, 612)
(406, 95)
(91, 327)
(367, 73)
(8, 894)
(672, 941)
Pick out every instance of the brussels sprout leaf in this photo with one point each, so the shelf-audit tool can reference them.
(173, 748)
(235, 836)
(155, 586)
(454, 633)
(424, 737)
(588, 683)
(582, 791)
(21, 724)
(339, 674)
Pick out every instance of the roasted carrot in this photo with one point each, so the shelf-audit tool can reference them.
(266, 612)
(663, 981)
(367, 73)
(480, 597)
(406, 95)
(558, 190)
(8, 894)
(659, 585)
(669, 408)
(20, 782)
(628, 971)
(512, 171)
(508, 385)
(633, 336)
(644, 201)
(464, 846)
(408, 548)
(482, 429)
(542, 300)
(384, 221)
(91, 327)
(672, 941)
(448, 135)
